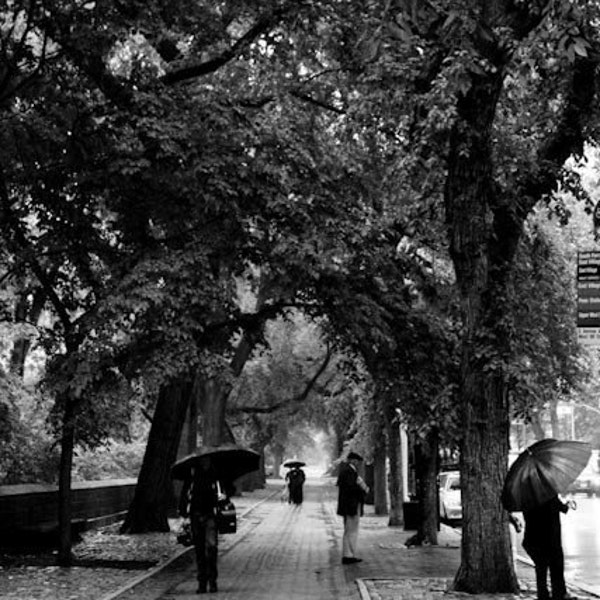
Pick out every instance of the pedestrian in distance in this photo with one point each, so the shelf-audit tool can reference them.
(199, 498)
(351, 497)
(295, 479)
(542, 541)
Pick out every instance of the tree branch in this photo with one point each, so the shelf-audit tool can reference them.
(290, 402)
(263, 25)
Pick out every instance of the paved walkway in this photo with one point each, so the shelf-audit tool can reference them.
(282, 552)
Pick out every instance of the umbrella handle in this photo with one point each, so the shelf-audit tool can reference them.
(572, 504)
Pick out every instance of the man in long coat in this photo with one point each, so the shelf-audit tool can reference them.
(542, 541)
(351, 496)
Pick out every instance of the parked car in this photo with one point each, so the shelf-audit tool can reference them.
(450, 495)
(588, 483)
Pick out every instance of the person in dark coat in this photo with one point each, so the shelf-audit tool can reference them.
(199, 498)
(295, 479)
(542, 541)
(351, 496)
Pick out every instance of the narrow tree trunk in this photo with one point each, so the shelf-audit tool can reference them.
(427, 467)
(554, 420)
(67, 444)
(379, 479)
(394, 450)
(154, 491)
(24, 312)
(277, 460)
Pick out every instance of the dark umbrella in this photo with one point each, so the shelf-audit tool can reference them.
(229, 461)
(542, 471)
(291, 464)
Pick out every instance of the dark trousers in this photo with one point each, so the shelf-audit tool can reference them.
(204, 533)
(548, 560)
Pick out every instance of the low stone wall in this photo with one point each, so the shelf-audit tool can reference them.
(33, 508)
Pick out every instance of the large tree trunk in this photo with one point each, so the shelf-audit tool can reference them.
(482, 246)
(154, 491)
(213, 407)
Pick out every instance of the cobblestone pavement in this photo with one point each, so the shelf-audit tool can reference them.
(282, 552)
(294, 553)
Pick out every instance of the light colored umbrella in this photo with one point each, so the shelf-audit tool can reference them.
(229, 461)
(542, 471)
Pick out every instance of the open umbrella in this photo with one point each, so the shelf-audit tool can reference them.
(291, 464)
(230, 461)
(542, 471)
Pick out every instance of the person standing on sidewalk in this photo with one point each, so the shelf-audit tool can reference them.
(199, 498)
(542, 541)
(351, 496)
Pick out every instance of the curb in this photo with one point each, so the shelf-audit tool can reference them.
(574, 583)
(158, 568)
(362, 589)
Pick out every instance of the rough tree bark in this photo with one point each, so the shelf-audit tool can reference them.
(482, 252)
(154, 491)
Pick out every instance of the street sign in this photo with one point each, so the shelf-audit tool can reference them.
(588, 297)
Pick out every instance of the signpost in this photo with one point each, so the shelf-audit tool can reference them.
(588, 298)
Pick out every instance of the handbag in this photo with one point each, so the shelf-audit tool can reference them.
(226, 516)
(184, 535)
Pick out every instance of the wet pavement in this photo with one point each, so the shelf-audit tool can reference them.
(283, 552)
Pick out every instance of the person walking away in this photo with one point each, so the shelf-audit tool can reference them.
(542, 541)
(351, 496)
(295, 478)
(199, 497)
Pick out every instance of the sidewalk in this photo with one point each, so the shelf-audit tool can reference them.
(394, 572)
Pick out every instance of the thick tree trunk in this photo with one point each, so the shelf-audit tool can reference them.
(213, 407)
(154, 491)
(483, 237)
(394, 451)
(188, 442)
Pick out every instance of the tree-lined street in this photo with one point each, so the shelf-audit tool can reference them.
(300, 226)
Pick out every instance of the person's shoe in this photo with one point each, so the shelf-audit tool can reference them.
(349, 560)
(201, 588)
(212, 587)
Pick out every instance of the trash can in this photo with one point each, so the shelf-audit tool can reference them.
(412, 515)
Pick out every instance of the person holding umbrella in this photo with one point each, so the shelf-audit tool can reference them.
(295, 479)
(532, 485)
(351, 496)
(199, 499)
(205, 473)
(543, 542)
